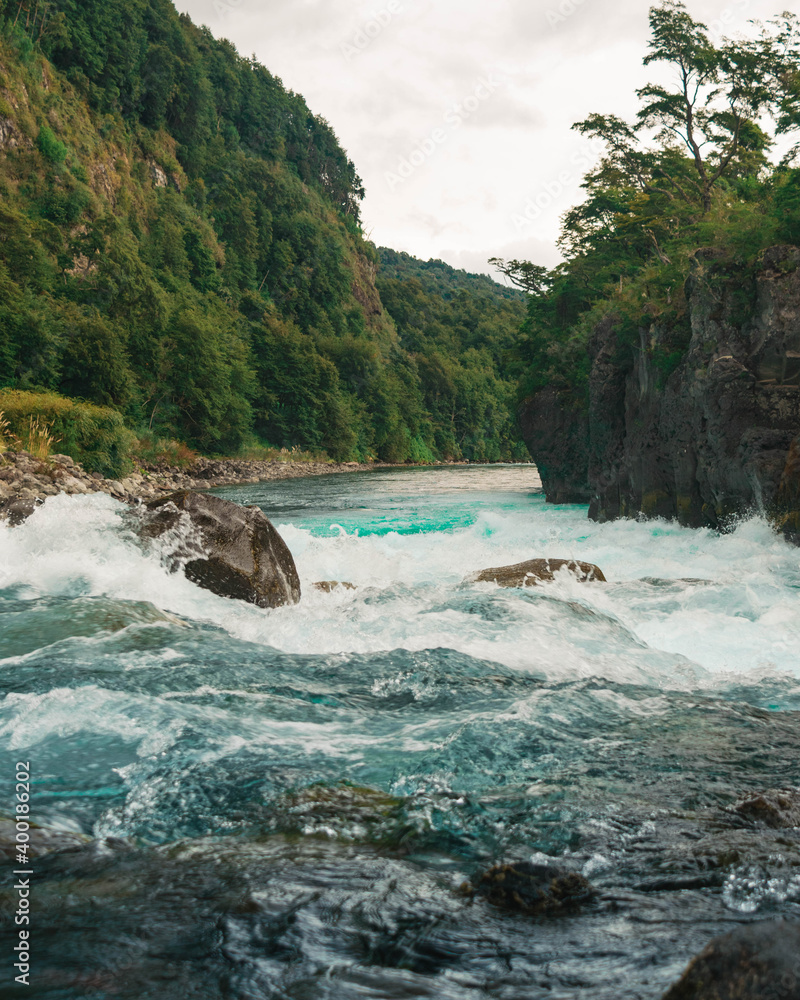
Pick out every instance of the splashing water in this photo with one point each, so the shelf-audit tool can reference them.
(408, 732)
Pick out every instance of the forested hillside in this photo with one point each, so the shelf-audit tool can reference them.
(180, 240)
(461, 330)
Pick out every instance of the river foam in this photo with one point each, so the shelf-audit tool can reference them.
(314, 777)
(679, 603)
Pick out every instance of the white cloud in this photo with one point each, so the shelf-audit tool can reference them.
(387, 74)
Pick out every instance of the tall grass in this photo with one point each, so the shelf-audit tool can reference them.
(257, 451)
(96, 436)
(154, 450)
(8, 440)
(38, 438)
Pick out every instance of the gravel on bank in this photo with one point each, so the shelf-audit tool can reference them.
(25, 477)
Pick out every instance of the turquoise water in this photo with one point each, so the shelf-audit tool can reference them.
(293, 797)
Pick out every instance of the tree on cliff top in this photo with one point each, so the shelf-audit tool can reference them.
(710, 112)
(690, 171)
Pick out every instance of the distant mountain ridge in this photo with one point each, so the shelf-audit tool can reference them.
(440, 278)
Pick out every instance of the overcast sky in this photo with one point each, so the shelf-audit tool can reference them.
(457, 113)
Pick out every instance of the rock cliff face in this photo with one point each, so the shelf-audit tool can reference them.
(556, 429)
(702, 434)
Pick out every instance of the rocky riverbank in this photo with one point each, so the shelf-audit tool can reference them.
(31, 480)
(698, 422)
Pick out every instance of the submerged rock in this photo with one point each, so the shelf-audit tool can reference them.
(238, 553)
(41, 840)
(755, 962)
(534, 889)
(18, 510)
(343, 812)
(328, 586)
(778, 808)
(526, 574)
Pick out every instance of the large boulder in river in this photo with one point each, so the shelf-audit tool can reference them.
(235, 551)
(526, 574)
(758, 961)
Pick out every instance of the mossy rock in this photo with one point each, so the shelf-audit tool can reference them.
(754, 962)
(344, 812)
(533, 889)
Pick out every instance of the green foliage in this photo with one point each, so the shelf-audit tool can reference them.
(50, 147)
(184, 245)
(787, 206)
(301, 403)
(93, 435)
(460, 330)
(691, 173)
(94, 362)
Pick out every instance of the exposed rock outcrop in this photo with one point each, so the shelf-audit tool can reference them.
(41, 840)
(236, 552)
(526, 574)
(698, 423)
(787, 507)
(756, 962)
(556, 429)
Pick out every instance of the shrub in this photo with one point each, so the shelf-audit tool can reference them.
(96, 436)
(65, 206)
(50, 147)
(257, 451)
(153, 450)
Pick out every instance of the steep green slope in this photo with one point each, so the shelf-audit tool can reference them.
(180, 240)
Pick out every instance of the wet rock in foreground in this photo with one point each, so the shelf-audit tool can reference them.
(41, 840)
(756, 962)
(239, 553)
(533, 889)
(18, 510)
(526, 574)
(778, 808)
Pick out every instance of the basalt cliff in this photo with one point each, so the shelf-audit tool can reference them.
(704, 434)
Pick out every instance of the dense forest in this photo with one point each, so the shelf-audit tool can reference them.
(180, 242)
(697, 169)
(462, 331)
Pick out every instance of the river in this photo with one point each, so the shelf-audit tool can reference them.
(285, 804)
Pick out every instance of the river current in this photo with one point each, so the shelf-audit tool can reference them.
(285, 804)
